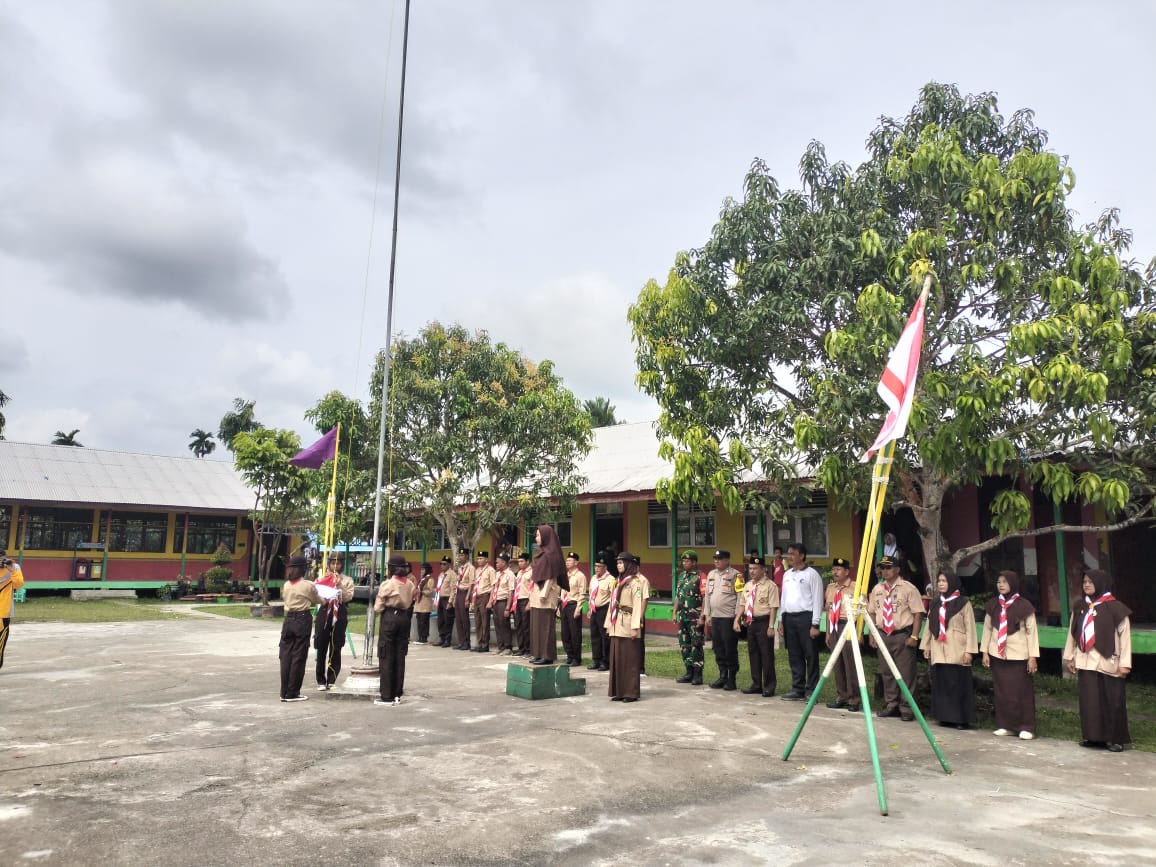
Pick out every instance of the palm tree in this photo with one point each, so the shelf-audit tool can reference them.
(601, 412)
(67, 439)
(202, 444)
(239, 419)
(3, 402)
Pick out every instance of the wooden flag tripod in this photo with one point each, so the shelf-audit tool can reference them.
(858, 617)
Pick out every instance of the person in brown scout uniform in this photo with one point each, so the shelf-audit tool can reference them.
(423, 603)
(949, 643)
(625, 618)
(1011, 649)
(756, 609)
(839, 594)
(572, 600)
(393, 603)
(331, 622)
(500, 600)
(718, 613)
(897, 609)
(549, 569)
(525, 578)
(444, 592)
(299, 597)
(465, 584)
(602, 584)
(485, 577)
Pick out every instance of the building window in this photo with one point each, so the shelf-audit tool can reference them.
(751, 534)
(411, 539)
(806, 526)
(206, 534)
(135, 532)
(57, 529)
(695, 528)
(5, 525)
(563, 529)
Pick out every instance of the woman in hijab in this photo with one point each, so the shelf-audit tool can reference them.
(549, 568)
(1011, 649)
(1099, 651)
(949, 643)
(625, 622)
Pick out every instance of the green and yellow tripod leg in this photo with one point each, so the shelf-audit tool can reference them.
(815, 695)
(865, 707)
(886, 655)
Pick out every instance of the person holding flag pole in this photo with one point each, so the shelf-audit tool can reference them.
(897, 389)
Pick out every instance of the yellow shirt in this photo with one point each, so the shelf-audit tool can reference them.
(11, 579)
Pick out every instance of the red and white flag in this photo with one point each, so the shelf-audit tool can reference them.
(897, 387)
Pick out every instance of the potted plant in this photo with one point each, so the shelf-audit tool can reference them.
(219, 578)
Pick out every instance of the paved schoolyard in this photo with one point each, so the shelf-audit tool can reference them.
(164, 743)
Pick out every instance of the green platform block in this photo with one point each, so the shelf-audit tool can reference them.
(542, 681)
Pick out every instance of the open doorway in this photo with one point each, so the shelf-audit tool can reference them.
(609, 529)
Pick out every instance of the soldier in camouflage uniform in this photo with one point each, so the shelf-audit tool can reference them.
(687, 610)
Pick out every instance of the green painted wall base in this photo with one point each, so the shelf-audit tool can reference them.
(542, 681)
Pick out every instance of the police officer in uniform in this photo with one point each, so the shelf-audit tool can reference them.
(719, 606)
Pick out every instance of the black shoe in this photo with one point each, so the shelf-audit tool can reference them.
(854, 708)
(686, 678)
(616, 698)
(731, 685)
(907, 717)
(485, 649)
(793, 695)
(1115, 748)
(836, 705)
(543, 662)
(628, 700)
(1093, 745)
(604, 668)
(697, 679)
(751, 690)
(720, 683)
(887, 712)
(594, 666)
(768, 693)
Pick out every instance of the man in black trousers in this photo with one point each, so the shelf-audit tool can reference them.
(802, 608)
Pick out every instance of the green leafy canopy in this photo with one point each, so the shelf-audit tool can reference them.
(763, 348)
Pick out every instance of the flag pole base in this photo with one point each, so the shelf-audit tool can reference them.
(363, 682)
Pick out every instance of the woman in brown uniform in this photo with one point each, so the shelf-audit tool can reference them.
(949, 643)
(624, 623)
(548, 569)
(1099, 650)
(1011, 649)
(299, 597)
(393, 603)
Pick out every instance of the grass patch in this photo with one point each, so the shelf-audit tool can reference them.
(56, 609)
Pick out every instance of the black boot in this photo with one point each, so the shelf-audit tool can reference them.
(697, 679)
(722, 679)
(688, 677)
(732, 673)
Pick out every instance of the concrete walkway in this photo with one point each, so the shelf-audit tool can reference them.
(164, 743)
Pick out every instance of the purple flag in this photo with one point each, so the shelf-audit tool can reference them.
(314, 456)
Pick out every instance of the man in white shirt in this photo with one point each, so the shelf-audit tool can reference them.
(799, 616)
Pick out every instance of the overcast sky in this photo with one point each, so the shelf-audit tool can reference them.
(187, 190)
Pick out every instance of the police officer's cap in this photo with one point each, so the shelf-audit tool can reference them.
(722, 554)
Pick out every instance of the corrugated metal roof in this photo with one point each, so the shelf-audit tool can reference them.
(624, 458)
(68, 475)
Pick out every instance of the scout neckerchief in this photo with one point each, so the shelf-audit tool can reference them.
(332, 606)
(888, 609)
(593, 591)
(833, 617)
(1001, 634)
(438, 589)
(615, 595)
(477, 584)
(1088, 629)
(749, 614)
(943, 600)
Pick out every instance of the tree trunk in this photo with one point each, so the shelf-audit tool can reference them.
(929, 516)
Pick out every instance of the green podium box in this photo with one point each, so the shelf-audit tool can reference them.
(542, 681)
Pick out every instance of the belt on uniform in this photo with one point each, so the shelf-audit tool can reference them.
(297, 613)
(905, 631)
(806, 613)
(394, 611)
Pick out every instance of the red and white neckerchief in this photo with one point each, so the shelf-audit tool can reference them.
(943, 600)
(749, 614)
(1001, 633)
(1088, 629)
(833, 617)
(593, 591)
(438, 589)
(477, 584)
(614, 594)
(888, 611)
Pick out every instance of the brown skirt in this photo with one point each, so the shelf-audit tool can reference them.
(1103, 708)
(625, 667)
(1015, 695)
(543, 634)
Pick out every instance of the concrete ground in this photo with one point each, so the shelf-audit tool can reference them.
(164, 743)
